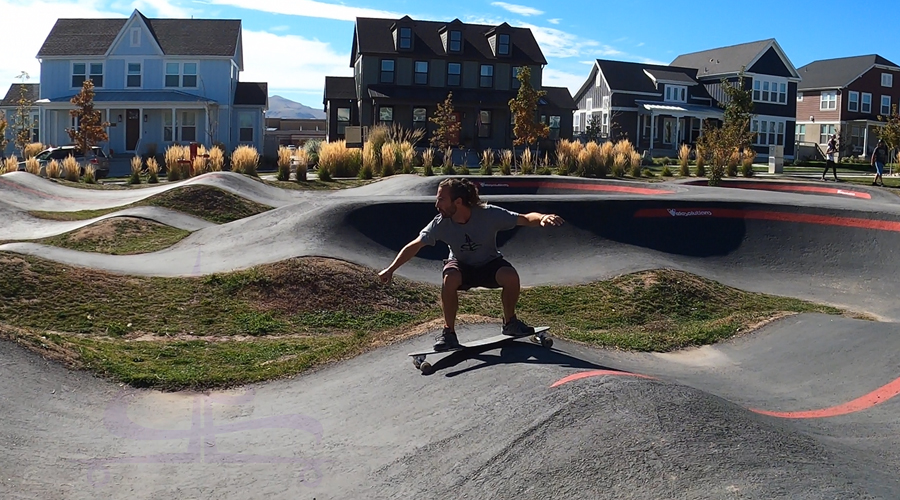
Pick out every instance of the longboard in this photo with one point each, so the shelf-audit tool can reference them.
(539, 337)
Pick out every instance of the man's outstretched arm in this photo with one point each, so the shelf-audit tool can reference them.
(539, 219)
(406, 253)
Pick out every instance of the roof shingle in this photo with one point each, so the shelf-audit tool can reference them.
(837, 73)
(723, 60)
(32, 93)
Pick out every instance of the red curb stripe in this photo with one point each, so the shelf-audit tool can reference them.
(800, 189)
(574, 186)
(876, 397)
(597, 373)
(728, 213)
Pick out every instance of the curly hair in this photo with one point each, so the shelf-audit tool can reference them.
(465, 189)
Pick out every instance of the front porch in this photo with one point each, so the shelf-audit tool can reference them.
(661, 128)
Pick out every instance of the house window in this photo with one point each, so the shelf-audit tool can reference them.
(35, 129)
(453, 74)
(825, 132)
(853, 101)
(554, 127)
(487, 75)
(135, 37)
(87, 71)
(676, 93)
(768, 132)
(181, 74)
(770, 91)
(421, 76)
(484, 123)
(828, 101)
(885, 105)
(800, 133)
(189, 75)
(515, 77)
(386, 115)
(405, 38)
(647, 124)
(887, 80)
(188, 126)
(576, 122)
(420, 116)
(387, 71)
(343, 120)
(133, 79)
(245, 126)
(167, 127)
(866, 103)
(857, 137)
(503, 45)
(455, 41)
(589, 103)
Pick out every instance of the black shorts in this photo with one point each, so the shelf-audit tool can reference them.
(477, 276)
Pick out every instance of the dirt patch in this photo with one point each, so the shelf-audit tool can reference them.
(34, 342)
(112, 228)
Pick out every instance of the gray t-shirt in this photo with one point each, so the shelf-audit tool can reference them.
(475, 242)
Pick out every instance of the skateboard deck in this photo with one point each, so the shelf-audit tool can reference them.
(539, 337)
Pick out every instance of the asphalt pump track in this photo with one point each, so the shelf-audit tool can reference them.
(802, 408)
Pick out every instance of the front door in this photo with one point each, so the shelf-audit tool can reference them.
(132, 128)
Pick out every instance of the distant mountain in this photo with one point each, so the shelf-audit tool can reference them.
(279, 107)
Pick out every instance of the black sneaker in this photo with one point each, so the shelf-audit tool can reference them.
(446, 340)
(517, 328)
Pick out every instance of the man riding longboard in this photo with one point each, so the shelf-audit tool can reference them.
(469, 227)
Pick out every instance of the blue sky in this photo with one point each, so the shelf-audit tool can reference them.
(293, 44)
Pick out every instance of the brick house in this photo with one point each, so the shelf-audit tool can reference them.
(403, 68)
(846, 96)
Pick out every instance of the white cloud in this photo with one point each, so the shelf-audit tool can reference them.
(640, 44)
(162, 8)
(556, 78)
(647, 60)
(299, 64)
(521, 10)
(558, 43)
(309, 8)
(554, 20)
(280, 28)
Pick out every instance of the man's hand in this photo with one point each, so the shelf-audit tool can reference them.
(386, 275)
(551, 220)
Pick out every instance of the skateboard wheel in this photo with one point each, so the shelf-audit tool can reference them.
(417, 363)
(426, 368)
(547, 342)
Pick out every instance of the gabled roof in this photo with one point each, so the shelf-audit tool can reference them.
(639, 77)
(374, 37)
(730, 60)
(32, 93)
(560, 97)
(176, 37)
(143, 95)
(839, 72)
(339, 87)
(251, 94)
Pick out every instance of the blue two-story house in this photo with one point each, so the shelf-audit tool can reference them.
(157, 82)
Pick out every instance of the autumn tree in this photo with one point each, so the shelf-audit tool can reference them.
(22, 123)
(734, 135)
(3, 140)
(527, 129)
(89, 130)
(890, 132)
(448, 125)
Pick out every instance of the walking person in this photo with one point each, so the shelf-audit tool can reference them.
(469, 227)
(879, 159)
(830, 153)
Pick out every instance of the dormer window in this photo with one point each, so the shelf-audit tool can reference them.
(503, 45)
(405, 39)
(455, 41)
(676, 93)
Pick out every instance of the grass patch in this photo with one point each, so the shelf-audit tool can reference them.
(315, 184)
(281, 319)
(119, 236)
(206, 202)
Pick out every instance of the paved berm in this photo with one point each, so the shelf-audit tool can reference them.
(804, 407)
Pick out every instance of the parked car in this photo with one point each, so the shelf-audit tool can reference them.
(100, 160)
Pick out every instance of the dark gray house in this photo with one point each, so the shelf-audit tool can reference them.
(771, 75)
(657, 108)
(403, 68)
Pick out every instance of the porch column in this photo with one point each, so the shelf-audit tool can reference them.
(866, 139)
(206, 124)
(677, 138)
(652, 131)
(140, 140)
(174, 127)
(108, 140)
(637, 133)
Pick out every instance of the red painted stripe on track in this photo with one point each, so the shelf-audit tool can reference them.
(799, 189)
(597, 373)
(729, 213)
(871, 399)
(574, 186)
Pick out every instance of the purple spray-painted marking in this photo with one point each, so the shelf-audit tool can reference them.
(204, 431)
